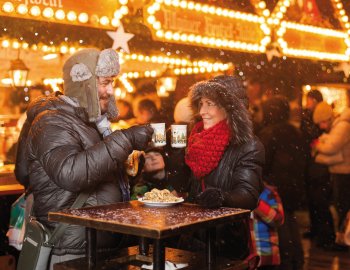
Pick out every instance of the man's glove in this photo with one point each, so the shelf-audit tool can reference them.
(139, 136)
(210, 198)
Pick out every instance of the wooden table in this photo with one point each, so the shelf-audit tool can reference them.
(11, 189)
(152, 222)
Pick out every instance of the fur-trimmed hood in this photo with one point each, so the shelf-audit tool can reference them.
(238, 116)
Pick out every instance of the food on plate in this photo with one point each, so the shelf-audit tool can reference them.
(132, 163)
(164, 195)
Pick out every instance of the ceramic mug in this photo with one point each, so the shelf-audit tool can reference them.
(159, 136)
(178, 136)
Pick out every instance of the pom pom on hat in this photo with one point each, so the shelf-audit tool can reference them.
(323, 112)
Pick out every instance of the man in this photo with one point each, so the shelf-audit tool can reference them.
(66, 147)
(333, 149)
(317, 180)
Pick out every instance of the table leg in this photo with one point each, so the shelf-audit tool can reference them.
(158, 255)
(91, 247)
(211, 249)
(143, 246)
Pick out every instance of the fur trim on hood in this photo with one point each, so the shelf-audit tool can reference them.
(237, 114)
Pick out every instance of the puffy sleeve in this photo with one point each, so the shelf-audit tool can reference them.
(58, 148)
(247, 176)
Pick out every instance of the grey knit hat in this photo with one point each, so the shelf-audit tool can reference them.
(80, 73)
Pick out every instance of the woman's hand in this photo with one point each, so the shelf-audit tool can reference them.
(210, 198)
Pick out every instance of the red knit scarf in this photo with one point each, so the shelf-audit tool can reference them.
(206, 147)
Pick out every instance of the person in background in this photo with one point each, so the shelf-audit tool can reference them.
(333, 149)
(154, 174)
(284, 168)
(66, 147)
(225, 160)
(145, 113)
(309, 129)
(317, 180)
(125, 110)
(255, 93)
(267, 217)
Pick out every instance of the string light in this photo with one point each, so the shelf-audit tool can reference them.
(69, 15)
(341, 13)
(48, 13)
(83, 17)
(64, 49)
(35, 11)
(8, 7)
(60, 14)
(315, 54)
(128, 85)
(183, 66)
(22, 9)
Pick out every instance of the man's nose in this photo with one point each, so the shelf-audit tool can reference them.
(110, 89)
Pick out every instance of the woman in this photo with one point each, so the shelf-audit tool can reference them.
(225, 159)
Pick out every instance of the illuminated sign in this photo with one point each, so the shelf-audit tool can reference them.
(309, 41)
(104, 14)
(200, 24)
(313, 42)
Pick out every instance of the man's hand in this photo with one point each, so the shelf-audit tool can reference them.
(139, 136)
(210, 198)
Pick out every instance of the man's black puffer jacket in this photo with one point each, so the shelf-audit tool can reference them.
(61, 154)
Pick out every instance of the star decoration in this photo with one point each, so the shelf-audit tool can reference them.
(272, 50)
(345, 67)
(120, 38)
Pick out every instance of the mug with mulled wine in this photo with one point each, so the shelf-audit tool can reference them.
(178, 135)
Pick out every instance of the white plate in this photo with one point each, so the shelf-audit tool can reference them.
(160, 204)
